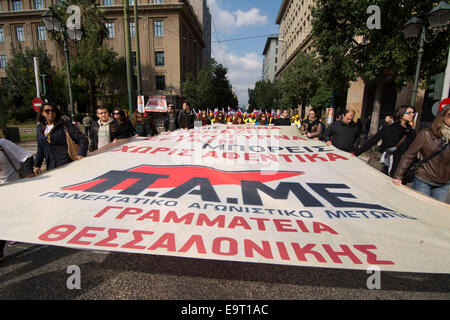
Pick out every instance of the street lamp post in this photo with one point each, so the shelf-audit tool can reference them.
(436, 20)
(54, 24)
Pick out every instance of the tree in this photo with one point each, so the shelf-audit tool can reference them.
(300, 81)
(264, 96)
(322, 99)
(20, 85)
(92, 60)
(210, 88)
(348, 48)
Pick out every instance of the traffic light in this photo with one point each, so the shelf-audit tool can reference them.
(437, 83)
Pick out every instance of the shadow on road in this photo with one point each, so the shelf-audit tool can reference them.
(255, 272)
(40, 272)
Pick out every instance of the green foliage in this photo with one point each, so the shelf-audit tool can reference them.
(300, 81)
(19, 87)
(349, 49)
(92, 61)
(210, 88)
(264, 96)
(322, 99)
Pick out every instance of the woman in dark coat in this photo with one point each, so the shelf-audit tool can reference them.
(144, 126)
(400, 135)
(126, 128)
(51, 139)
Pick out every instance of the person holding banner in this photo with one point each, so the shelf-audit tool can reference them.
(126, 128)
(171, 120)
(203, 117)
(15, 162)
(104, 131)
(433, 171)
(52, 139)
(343, 134)
(144, 126)
(262, 120)
(220, 118)
(395, 139)
(284, 120)
(311, 127)
(238, 120)
(186, 117)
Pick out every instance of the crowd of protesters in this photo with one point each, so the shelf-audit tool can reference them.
(427, 152)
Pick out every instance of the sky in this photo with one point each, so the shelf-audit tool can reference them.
(234, 19)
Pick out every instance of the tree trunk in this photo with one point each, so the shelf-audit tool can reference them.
(376, 107)
(92, 92)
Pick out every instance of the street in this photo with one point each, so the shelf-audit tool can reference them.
(40, 272)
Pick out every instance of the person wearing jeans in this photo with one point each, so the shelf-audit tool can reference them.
(433, 176)
(438, 192)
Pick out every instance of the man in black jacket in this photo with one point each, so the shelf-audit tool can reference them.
(343, 134)
(186, 117)
(171, 120)
(284, 120)
(104, 131)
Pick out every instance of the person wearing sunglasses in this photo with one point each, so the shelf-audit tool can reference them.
(220, 118)
(203, 117)
(262, 120)
(432, 177)
(396, 138)
(126, 127)
(51, 139)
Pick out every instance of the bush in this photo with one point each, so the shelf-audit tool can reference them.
(22, 114)
(78, 117)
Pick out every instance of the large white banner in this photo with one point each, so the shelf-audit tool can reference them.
(240, 193)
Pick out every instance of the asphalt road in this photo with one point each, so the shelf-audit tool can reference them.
(40, 272)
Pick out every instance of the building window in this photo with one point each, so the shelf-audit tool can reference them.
(2, 36)
(110, 27)
(38, 4)
(160, 82)
(132, 30)
(17, 5)
(2, 61)
(131, 2)
(41, 33)
(20, 34)
(159, 58)
(157, 1)
(108, 2)
(159, 29)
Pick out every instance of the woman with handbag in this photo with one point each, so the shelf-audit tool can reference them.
(396, 139)
(433, 172)
(56, 140)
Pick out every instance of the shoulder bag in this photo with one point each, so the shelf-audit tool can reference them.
(408, 176)
(72, 147)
